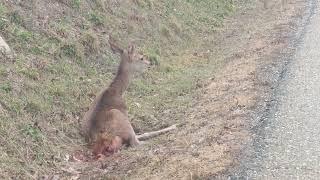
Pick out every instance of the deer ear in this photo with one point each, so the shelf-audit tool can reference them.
(131, 49)
(114, 47)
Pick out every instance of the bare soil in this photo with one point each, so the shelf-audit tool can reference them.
(216, 127)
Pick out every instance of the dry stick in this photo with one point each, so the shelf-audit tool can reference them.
(152, 134)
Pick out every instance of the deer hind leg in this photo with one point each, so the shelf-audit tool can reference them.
(134, 141)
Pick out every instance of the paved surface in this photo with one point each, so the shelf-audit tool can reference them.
(290, 145)
(293, 138)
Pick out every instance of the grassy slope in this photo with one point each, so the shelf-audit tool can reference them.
(63, 59)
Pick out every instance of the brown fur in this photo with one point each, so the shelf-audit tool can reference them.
(107, 124)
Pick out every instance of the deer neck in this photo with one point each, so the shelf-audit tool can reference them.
(121, 82)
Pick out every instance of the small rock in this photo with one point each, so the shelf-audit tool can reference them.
(4, 47)
(55, 177)
(138, 105)
(67, 157)
(75, 177)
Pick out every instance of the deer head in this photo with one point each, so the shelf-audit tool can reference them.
(138, 62)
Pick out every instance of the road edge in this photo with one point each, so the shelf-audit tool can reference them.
(276, 72)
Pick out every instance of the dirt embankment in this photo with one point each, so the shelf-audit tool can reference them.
(216, 127)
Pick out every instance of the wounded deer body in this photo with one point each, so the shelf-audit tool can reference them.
(107, 124)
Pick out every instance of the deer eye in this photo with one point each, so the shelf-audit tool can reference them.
(141, 59)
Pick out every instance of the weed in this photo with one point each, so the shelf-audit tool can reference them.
(154, 56)
(167, 69)
(99, 5)
(3, 9)
(74, 51)
(164, 31)
(69, 50)
(3, 23)
(15, 18)
(3, 20)
(49, 45)
(96, 18)
(15, 106)
(90, 42)
(60, 69)
(57, 89)
(53, 40)
(76, 3)
(33, 131)
(144, 4)
(142, 87)
(36, 51)
(6, 87)
(30, 73)
(22, 35)
(3, 72)
(33, 107)
(176, 28)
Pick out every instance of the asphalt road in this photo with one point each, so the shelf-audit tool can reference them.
(289, 147)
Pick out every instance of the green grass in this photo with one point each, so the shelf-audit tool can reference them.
(3, 72)
(90, 42)
(96, 18)
(3, 20)
(33, 132)
(6, 87)
(69, 50)
(15, 18)
(44, 101)
(76, 3)
(22, 35)
(3, 9)
(30, 73)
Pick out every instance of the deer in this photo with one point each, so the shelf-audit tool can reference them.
(107, 126)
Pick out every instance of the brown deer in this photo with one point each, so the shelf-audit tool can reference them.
(107, 124)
